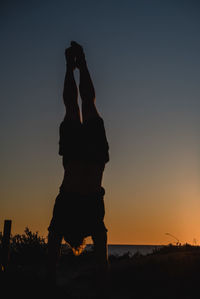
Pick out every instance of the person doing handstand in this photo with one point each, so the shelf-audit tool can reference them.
(79, 207)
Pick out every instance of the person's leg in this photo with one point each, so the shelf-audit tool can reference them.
(70, 92)
(54, 244)
(86, 87)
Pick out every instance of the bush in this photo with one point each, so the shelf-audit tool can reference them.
(170, 248)
(27, 248)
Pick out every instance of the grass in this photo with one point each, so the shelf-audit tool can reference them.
(171, 272)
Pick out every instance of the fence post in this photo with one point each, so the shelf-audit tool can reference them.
(6, 243)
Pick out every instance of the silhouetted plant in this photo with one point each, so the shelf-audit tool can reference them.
(27, 248)
(170, 248)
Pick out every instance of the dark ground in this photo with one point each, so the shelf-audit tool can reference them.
(171, 272)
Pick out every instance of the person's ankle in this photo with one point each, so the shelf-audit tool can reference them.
(81, 64)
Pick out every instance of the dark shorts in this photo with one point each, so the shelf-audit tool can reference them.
(84, 141)
(76, 217)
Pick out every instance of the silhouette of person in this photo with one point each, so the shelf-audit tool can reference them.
(79, 207)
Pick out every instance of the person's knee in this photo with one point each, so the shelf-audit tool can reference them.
(89, 111)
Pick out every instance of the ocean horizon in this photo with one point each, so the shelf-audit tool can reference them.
(121, 249)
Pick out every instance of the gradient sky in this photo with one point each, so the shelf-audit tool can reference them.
(144, 59)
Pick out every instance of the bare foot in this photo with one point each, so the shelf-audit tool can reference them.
(79, 54)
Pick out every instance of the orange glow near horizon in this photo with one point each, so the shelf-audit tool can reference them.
(147, 214)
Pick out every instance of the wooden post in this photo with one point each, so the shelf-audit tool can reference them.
(6, 243)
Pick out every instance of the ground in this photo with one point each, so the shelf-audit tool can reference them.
(171, 272)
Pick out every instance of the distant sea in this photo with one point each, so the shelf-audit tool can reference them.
(120, 250)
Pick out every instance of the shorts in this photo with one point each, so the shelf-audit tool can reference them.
(76, 217)
(83, 141)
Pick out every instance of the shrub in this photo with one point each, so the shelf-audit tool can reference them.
(27, 248)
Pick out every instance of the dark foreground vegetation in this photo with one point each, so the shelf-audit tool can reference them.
(169, 272)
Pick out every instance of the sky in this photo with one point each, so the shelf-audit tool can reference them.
(143, 56)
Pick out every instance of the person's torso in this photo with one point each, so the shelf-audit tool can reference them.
(83, 177)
